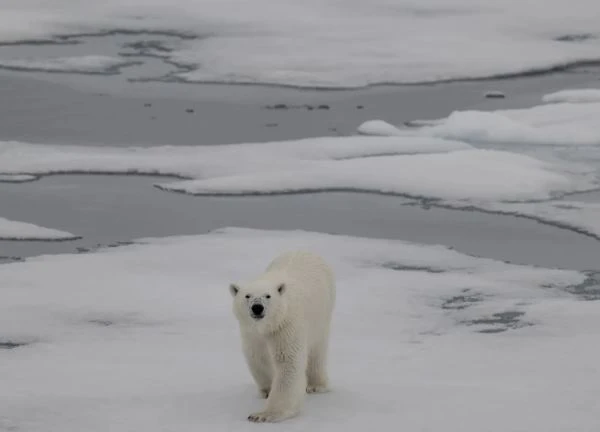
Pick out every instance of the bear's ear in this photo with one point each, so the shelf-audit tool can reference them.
(281, 288)
(233, 289)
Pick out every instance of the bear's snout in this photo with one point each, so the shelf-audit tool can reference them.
(257, 310)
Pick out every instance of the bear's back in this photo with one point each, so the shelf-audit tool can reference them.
(307, 267)
(311, 282)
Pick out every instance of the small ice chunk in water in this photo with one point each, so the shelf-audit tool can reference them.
(17, 178)
(378, 128)
(495, 94)
(14, 230)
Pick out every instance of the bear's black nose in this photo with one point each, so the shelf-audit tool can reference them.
(257, 309)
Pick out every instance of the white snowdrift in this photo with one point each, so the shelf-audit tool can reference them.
(417, 166)
(13, 230)
(145, 338)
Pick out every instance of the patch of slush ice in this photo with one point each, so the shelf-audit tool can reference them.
(13, 230)
(91, 64)
(414, 166)
(407, 42)
(398, 356)
(573, 96)
(17, 178)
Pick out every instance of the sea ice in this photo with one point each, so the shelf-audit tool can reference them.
(379, 128)
(16, 178)
(415, 166)
(563, 130)
(558, 124)
(463, 175)
(424, 338)
(573, 96)
(315, 43)
(13, 230)
(93, 64)
(583, 217)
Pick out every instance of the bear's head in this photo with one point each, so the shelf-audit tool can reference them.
(260, 304)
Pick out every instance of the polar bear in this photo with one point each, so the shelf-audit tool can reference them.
(284, 316)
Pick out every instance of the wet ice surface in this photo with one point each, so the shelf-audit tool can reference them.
(110, 210)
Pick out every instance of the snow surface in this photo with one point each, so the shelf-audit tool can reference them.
(561, 123)
(13, 230)
(324, 43)
(95, 64)
(415, 166)
(143, 338)
(575, 95)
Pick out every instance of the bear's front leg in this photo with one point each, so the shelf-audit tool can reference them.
(259, 362)
(287, 393)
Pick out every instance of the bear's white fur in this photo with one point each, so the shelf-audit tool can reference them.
(286, 343)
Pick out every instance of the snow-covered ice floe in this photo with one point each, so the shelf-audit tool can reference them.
(575, 96)
(413, 166)
(567, 122)
(143, 338)
(91, 64)
(407, 42)
(17, 178)
(564, 130)
(14, 230)
(465, 175)
(379, 128)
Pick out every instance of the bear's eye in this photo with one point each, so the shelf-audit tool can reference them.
(247, 295)
(268, 296)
